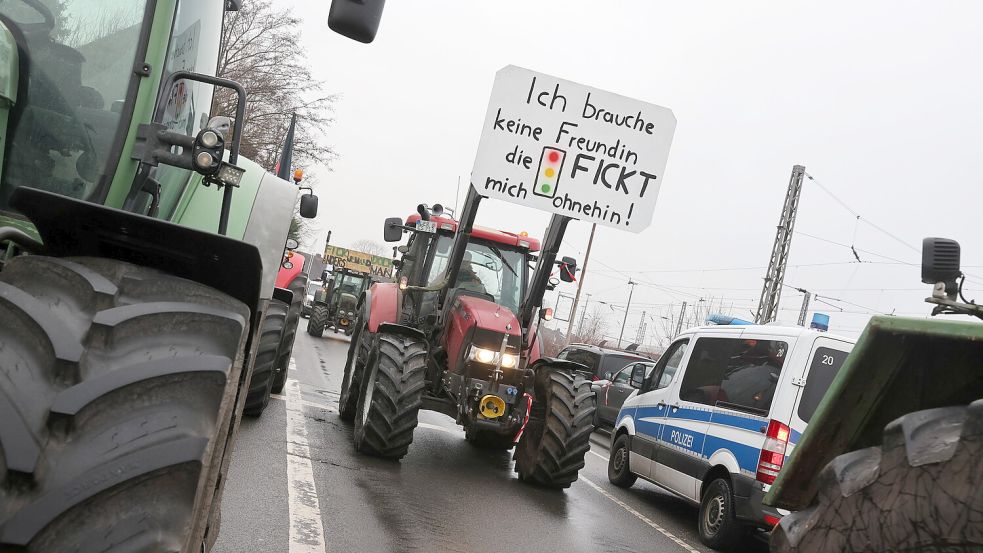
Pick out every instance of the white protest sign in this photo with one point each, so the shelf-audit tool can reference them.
(571, 149)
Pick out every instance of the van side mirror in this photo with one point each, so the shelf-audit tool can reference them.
(308, 206)
(356, 19)
(607, 375)
(393, 230)
(568, 268)
(637, 375)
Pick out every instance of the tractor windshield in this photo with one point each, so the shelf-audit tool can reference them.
(488, 268)
(351, 284)
(62, 107)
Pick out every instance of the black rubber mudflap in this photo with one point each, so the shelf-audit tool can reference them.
(552, 447)
(117, 391)
(261, 381)
(921, 490)
(390, 397)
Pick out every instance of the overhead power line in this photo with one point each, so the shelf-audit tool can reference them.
(860, 217)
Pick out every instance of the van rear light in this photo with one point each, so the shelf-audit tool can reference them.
(594, 378)
(772, 452)
(772, 520)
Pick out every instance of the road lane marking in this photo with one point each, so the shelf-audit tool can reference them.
(306, 531)
(639, 515)
(453, 431)
(314, 404)
(598, 455)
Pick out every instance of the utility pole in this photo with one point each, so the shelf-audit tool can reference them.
(679, 323)
(583, 313)
(771, 293)
(805, 306)
(627, 307)
(580, 281)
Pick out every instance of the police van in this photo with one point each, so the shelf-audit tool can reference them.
(717, 416)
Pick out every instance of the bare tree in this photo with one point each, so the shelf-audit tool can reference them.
(369, 246)
(696, 314)
(260, 49)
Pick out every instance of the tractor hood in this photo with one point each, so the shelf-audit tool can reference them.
(479, 322)
(487, 315)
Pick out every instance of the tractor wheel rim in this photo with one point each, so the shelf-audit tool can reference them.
(713, 517)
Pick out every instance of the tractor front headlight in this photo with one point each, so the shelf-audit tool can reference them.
(483, 355)
(509, 361)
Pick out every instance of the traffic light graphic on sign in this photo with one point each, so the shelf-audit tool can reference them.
(550, 168)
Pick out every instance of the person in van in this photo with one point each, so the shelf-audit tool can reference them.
(714, 419)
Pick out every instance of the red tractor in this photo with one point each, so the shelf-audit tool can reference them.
(279, 328)
(457, 333)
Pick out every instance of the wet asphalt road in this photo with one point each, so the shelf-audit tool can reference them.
(445, 495)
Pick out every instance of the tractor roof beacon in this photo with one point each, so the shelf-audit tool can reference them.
(149, 294)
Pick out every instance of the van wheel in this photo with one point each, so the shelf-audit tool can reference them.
(619, 473)
(719, 528)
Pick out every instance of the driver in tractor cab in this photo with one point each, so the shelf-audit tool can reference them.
(468, 279)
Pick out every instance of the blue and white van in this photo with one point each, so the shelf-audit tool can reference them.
(717, 416)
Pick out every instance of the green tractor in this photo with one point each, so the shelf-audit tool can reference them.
(891, 458)
(335, 303)
(138, 254)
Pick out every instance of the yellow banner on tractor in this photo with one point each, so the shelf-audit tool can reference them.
(343, 258)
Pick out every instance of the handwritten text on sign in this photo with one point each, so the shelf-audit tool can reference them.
(567, 148)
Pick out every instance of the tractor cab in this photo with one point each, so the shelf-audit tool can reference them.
(495, 266)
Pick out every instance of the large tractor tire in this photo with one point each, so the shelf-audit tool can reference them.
(261, 382)
(390, 396)
(556, 439)
(118, 389)
(358, 353)
(920, 491)
(298, 286)
(318, 321)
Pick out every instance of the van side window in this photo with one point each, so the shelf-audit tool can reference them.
(666, 368)
(738, 373)
(826, 362)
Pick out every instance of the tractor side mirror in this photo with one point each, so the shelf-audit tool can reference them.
(356, 19)
(637, 375)
(568, 268)
(393, 230)
(308, 206)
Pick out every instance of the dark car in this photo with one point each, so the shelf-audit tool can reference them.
(610, 394)
(603, 362)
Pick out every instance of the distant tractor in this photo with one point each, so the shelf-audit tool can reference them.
(458, 334)
(333, 305)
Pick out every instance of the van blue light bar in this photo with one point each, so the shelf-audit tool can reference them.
(719, 319)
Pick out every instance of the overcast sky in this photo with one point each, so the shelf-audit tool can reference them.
(881, 101)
